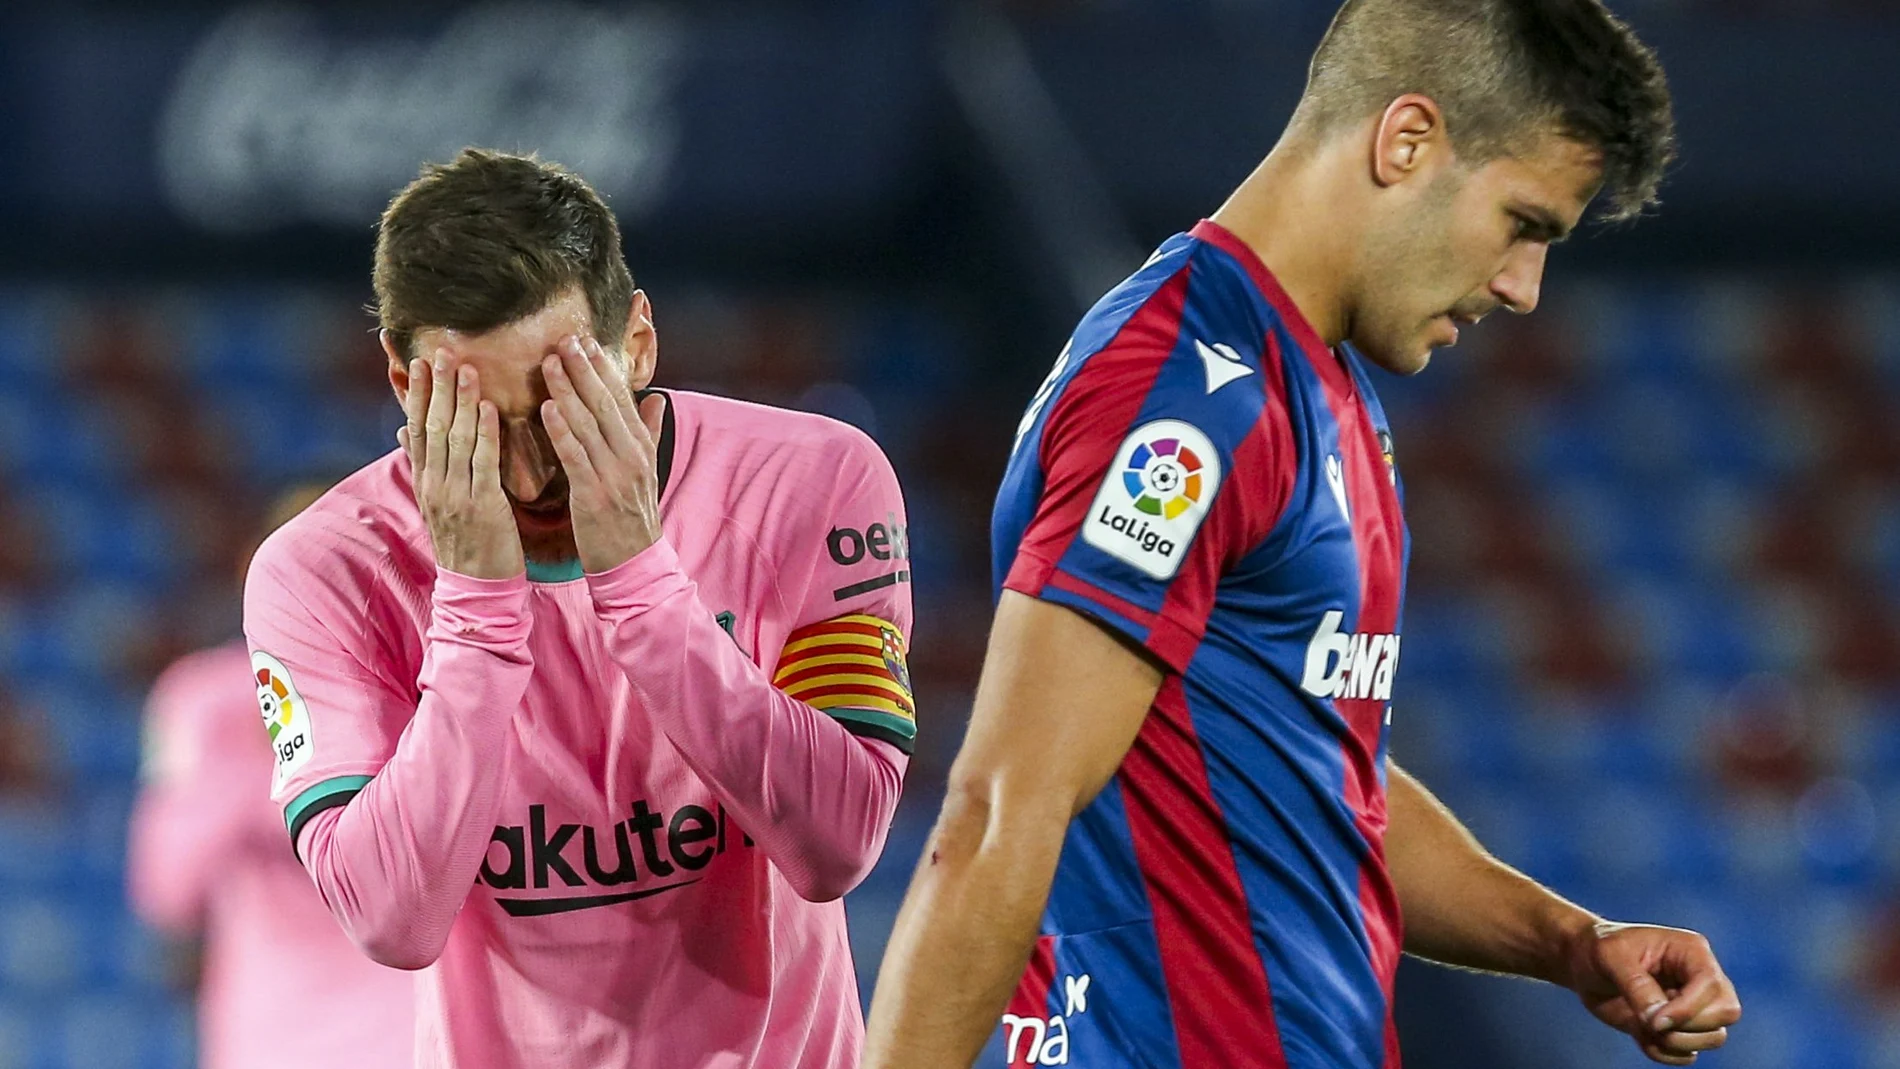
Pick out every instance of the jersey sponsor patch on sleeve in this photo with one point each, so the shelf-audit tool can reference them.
(1156, 493)
(286, 717)
(852, 668)
(883, 548)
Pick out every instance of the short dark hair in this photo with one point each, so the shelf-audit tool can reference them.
(1504, 72)
(491, 237)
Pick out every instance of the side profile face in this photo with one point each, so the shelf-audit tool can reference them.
(1467, 241)
(508, 360)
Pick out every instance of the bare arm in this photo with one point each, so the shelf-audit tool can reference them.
(1465, 907)
(1059, 704)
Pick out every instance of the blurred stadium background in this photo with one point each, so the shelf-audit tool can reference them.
(1655, 612)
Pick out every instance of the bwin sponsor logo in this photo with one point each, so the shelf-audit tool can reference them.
(1136, 530)
(1342, 664)
(668, 849)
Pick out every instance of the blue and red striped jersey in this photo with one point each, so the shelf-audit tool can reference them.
(1202, 474)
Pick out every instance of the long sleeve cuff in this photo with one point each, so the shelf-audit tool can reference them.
(638, 583)
(488, 613)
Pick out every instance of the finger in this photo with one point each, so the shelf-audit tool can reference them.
(615, 376)
(580, 357)
(1692, 1042)
(485, 476)
(415, 404)
(573, 455)
(1657, 1054)
(1706, 1002)
(588, 368)
(579, 419)
(468, 398)
(1626, 969)
(435, 424)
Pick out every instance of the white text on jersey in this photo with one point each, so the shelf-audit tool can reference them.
(1047, 1041)
(1343, 664)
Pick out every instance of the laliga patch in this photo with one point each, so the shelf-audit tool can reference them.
(1155, 496)
(286, 717)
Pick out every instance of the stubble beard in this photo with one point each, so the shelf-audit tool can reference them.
(1409, 256)
(549, 547)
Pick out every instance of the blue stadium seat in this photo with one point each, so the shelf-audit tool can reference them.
(68, 508)
(25, 1041)
(36, 847)
(1655, 332)
(1569, 448)
(41, 945)
(253, 336)
(96, 728)
(108, 1031)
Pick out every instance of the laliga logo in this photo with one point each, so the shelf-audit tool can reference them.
(278, 705)
(1164, 478)
(286, 716)
(1155, 496)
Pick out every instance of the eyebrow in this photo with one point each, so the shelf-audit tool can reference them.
(1544, 224)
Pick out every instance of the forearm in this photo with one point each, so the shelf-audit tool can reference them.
(817, 799)
(396, 863)
(1463, 906)
(964, 932)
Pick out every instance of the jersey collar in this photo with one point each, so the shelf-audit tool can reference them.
(569, 570)
(1331, 365)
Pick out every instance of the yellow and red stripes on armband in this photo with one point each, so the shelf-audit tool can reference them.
(852, 668)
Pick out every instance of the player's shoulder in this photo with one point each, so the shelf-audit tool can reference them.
(802, 448)
(351, 536)
(222, 667)
(1192, 298)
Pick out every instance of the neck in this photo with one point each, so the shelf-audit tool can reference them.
(1289, 211)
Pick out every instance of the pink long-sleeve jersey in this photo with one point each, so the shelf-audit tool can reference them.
(610, 816)
(281, 987)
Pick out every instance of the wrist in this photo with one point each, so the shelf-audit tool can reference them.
(469, 608)
(637, 583)
(1570, 933)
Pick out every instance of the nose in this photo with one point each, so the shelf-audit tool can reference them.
(1517, 286)
(528, 462)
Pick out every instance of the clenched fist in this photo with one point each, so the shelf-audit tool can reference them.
(1661, 985)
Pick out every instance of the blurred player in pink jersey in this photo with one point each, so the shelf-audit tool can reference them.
(208, 861)
(589, 701)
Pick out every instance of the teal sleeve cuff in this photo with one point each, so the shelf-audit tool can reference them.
(329, 794)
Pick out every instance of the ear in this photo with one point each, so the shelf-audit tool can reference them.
(642, 344)
(398, 367)
(1409, 140)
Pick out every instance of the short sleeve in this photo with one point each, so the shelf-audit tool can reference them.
(331, 718)
(1146, 480)
(847, 654)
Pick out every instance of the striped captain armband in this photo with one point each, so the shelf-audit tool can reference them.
(852, 668)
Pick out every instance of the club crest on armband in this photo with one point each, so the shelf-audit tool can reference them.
(894, 657)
